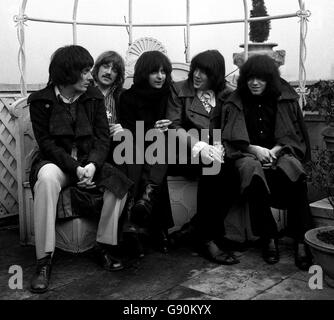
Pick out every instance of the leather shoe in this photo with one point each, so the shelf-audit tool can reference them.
(142, 209)
(303, 259)
(270, 251)
(106, 260)
(41, 279)
(183, 236)
(134, 244)
(213, 253)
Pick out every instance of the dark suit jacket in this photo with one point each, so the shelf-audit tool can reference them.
(55, 137)
(186, 112)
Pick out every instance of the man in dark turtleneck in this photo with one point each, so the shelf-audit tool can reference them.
(264, 133)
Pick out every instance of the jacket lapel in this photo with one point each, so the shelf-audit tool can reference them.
(197, 107)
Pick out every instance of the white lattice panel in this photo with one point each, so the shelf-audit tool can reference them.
(8, 163)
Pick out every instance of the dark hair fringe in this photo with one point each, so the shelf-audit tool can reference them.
(117, 62)
(212, 63)
(262, 67)
(149, 62)
(67, 64)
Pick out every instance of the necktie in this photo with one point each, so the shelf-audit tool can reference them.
(205, 99)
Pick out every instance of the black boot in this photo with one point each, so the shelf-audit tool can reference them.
(142, 209)
(303, 257)
(270, 251)
(41, 279)
(161, 239)
(134, 244)
(106, 259)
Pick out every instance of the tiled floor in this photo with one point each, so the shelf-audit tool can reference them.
(181, 274)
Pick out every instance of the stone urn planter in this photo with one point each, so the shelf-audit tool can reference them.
(321, 242)
(260, 48)
(328, 134)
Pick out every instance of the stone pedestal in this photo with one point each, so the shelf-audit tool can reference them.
(323, 213)
(260, 48)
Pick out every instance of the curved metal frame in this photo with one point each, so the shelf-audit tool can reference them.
(302, 14)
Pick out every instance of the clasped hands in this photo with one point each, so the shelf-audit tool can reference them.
(213, 153)
(267, 157)
(85, 176)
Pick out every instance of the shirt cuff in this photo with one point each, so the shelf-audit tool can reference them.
(197, 148)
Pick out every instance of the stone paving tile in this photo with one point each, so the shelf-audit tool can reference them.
(65, 270)
(293, 289)
(8, 294)
(231, 284)
(244, 280)
(11, 252)
(306, 276)
(183, 293)
(152, 275)
(301, 275)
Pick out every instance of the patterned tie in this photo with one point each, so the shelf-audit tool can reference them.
(205, 98)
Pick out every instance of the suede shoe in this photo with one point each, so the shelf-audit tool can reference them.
(41, 279)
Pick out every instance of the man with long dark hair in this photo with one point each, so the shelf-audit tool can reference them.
(264, 133)
(195, 111)
(142, 109)
(71, 129)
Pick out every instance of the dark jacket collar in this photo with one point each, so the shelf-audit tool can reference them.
(288, 93)
(186, 90)
(48, 94)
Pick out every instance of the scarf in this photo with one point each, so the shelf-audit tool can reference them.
(153, 100)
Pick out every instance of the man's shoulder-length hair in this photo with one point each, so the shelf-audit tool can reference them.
(67, 64)
(117, 63)
(264, 68)
(212, 63)
(150, 62)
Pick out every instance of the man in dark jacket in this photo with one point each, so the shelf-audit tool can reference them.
(195, 111)
(71, 129)
(265, 135)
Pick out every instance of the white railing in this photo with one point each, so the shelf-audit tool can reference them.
(302, 14)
